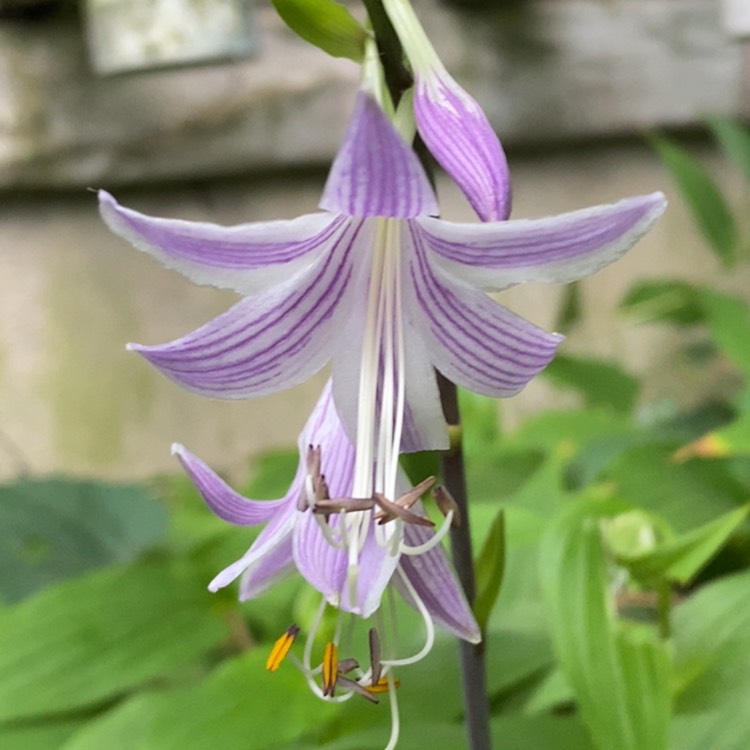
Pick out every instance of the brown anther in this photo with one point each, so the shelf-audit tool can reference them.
(444, 500)
(409, 498)
(330, 668)
(321, 489)
(281, 648)
(313, 461)
(390, 511)
(343, 505)
(375, 665)
(353, 685)
(347, 665)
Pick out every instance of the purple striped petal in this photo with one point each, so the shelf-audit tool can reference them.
(246, 258)
(435, 583)
(272, 567)
(472, 340)
(276, 534)
(423, 427)
(271, 341)
(555, 249)
(375, 172)
(223, 500)
(460, 137)
(323, 565)
(376, 568)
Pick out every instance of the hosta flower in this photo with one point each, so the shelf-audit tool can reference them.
(377, 285)
(451, 123)
(349, 548)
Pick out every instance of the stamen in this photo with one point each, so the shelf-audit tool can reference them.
(281, 648)
(429, 627)
(355, 687)
(445, 502)
(347, 665)
(395, 719)
(409, 498)
(330, 668)
(343, 505)
(420, 549)
(313, 461)
(391, 510)
(374, 656)
(383, 685)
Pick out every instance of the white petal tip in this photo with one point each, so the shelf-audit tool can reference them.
(131, 347)
(177, 449)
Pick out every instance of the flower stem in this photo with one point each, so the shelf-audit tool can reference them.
(473, 669)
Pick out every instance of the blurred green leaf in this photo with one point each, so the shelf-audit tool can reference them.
(735, 140)
(667, 301)
(272, 474)
(569, 312)
(611, 666)
(489, 569)
(600, 383)
(712, 659)
(571, 428)
(96, 637)
(325, 24)
(681, 559)
(52, 529)
(706, 203)
(240, 706)
(729, 320)
(685, 494)
(36, 736)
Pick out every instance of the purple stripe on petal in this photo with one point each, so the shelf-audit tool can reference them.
(435, 583)
(323, 566)
(272, 567)
(459, 136)
(223, 500)
(376, 173)
(555, 249)
(245, 258)
(376, 568)
(271, 341)
(473, 340)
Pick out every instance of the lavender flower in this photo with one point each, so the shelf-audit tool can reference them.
(350, 549)
(451, 123)
(376, 285)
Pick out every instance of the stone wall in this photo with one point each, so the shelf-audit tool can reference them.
(250, 140)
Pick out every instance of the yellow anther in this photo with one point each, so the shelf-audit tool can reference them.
(281, 648)
(330, 667)
(383, 685)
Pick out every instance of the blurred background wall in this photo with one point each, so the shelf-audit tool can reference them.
(572, 86)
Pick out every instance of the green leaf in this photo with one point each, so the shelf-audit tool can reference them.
(35, 736)
(240, 706)
(325, 24)
(489, 569)
(674, 302)
(703, 197)
(600, 383)
(52, 529)
(729, 320)
(93, 638)
(619, 672)
(680, 560)
(711, 631)
(735, 140)
(685, 494)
